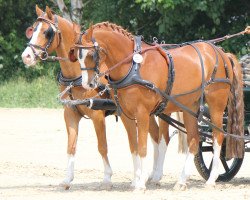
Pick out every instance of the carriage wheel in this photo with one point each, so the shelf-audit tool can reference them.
(203, 162)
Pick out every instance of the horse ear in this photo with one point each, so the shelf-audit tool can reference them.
(77, 31)
(39, 12)
(49, 12)
(90, 33)
(29, 32)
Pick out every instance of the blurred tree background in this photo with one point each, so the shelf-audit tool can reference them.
(174, 21)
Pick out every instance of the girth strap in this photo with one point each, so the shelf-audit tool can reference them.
(203, 84)
(171, 75)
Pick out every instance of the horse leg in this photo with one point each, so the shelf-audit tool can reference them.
(191, 126)
(72, 119)
(130, 126)
(98, 119)
(163, 140)
(216, 109)
(154, 133)
(182, 137)
(143, 128)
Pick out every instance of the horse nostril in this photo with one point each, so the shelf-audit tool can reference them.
(91, 85)
(28, 56)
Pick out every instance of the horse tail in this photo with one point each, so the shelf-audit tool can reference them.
(235, 107)
(182, 137)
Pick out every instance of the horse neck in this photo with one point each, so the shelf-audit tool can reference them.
(69, 69)
(115, 54)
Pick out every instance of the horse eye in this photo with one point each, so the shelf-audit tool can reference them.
(49, 32)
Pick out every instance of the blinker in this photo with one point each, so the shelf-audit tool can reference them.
(29, 32)
(72, 56)
(49, 33)
(80, 53)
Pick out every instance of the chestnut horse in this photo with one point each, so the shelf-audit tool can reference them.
(200, 71)
(58, 33)
(53, 33)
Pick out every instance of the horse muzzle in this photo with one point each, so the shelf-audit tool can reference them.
(28, 57)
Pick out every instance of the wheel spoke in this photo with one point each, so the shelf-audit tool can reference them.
(224, 163)
(210, 165)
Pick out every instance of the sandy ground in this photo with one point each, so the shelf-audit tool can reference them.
(33, 161)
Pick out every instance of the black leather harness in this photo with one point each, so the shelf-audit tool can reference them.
(77, 82)
(133, 77)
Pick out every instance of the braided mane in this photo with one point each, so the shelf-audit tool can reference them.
(113, 27)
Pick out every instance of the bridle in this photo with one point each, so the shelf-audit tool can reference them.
(96, 55)
(50, 35)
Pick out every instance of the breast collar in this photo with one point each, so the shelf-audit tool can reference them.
(133, 75)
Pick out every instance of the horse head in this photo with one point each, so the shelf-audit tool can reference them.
(90, 55)
(44, 37)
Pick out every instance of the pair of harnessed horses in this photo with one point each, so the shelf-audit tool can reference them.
(52, 33)
(146, 81)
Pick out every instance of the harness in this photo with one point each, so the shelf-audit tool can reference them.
(133, 77)
(77, 82)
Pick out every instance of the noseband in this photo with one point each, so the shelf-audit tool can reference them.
(50, 35)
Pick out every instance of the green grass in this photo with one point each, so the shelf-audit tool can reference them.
(40, 93)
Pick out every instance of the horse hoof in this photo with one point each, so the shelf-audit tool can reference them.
(140, 186)
(156, 178)
(209, 185)
(65, 185)
(106, 186)
(139, 190)
(180, 187)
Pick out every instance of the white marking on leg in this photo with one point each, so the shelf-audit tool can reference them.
(187, 170)
(160, 162)
(85, 77)
(158, 170)
(107, 172)
(144, 174)
(156, 153)
(70, 169)
(137, 169)
(215, 166)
